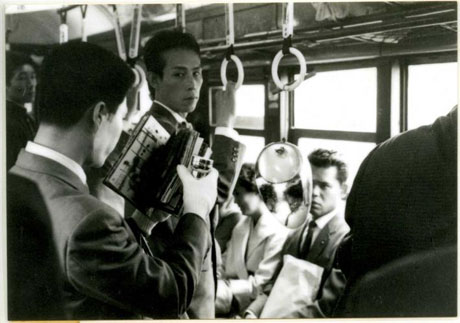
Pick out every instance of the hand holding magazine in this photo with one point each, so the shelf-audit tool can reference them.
(145, 173)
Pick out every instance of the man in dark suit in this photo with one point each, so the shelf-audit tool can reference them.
(174, 75)
(318, 239)
(34, 274)
(109, 271)
(403, 202)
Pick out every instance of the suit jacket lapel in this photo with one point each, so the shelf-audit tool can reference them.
(322, 240)
(298, 239)
(164, 117)
(49, 167)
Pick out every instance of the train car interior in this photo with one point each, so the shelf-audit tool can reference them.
(311, 78)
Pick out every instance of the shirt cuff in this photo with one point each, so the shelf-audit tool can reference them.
(227, 132)
(143, 222)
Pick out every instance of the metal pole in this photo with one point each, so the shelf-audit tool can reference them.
(135, 31)
(180, 17)
(322, 36)
(354, 22)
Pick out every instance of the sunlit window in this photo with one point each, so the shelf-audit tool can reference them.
(353, 152)
(249, 104)
(254, 146)
(343, 100)
(432, 92)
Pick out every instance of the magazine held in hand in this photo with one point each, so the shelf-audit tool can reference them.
(145, 173)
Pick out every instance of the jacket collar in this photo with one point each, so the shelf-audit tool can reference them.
(174, 114)
(51, 168)
(324, 236)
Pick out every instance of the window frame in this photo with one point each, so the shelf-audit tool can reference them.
(242, 131)
(432, 58)
(382, 104)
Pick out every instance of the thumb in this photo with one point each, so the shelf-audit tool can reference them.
(183, 173)
(213, 175)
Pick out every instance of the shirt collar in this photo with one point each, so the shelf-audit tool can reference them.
(177, 116)
(322, 221)
(65, 161)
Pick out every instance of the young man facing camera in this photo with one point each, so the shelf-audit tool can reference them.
(318, 239)
(174, 75)
(108, 274)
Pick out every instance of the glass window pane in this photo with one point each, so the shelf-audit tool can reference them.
(338, 100)
(250, 106)
(353, 152)
(254, 146)
(432, 92)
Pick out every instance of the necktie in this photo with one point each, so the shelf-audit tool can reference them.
(307, 243)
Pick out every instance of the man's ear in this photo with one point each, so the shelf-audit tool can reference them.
(99, 113)
(153, 79)
(344, 191)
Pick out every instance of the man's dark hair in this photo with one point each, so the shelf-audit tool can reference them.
(13, 61)
(247, 178)
(163, 41)
(328, 158)
(76, 76)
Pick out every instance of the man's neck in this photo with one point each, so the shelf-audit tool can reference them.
(68, 142)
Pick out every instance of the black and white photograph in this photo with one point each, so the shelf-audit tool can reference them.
(229, 160)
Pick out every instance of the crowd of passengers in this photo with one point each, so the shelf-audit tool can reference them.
(78, 250)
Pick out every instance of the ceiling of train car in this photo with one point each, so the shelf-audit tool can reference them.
(319, 27)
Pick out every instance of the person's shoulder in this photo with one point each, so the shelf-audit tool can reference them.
(338, 227)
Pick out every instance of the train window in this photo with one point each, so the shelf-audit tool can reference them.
(353, 152)
(432, 92)
(250, 106)
(254, 146)
(344, 100)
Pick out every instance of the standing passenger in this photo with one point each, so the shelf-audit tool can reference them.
(174, 75)
(20, 89)
(108, 274)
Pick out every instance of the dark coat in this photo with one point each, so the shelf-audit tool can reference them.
(35, 278)
(20, 128)
(108, 275)
(404, 197)
(403, 201)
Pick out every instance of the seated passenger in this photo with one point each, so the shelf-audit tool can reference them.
(253, 251)
(317, 240)
(109, 272)
(20, 89)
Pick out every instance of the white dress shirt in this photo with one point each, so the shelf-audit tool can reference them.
(222, 131)
(65, 161)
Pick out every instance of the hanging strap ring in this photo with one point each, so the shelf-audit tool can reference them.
(239, 66)
(139, 75)
(303, 69)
